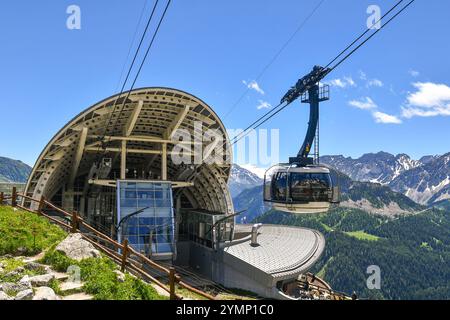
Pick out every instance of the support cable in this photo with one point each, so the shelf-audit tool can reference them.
(275, 57)
(270, 114)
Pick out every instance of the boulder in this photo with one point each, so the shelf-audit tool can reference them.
(13, 287)
(25, 281)
(120, 275)
(41, 280)
(45, 293)
(75, 247)
(24, 295)
(15, 272)
(21, 251)
(34, 266)
(4, 296)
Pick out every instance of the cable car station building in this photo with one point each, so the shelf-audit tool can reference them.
(128, 182)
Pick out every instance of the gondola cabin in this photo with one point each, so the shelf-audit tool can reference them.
(300, 189)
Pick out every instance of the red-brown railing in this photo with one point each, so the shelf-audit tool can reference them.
(128, 258)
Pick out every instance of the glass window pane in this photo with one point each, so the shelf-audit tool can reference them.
(154, 224)
(279, 186)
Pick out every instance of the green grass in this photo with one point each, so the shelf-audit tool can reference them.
(54, 284)
(361, 235)
(322, 272)
(58, 260)
(26, 232)
(326, 227)
(11, 264)
(101, 280)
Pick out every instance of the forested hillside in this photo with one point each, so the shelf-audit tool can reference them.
(413, 252)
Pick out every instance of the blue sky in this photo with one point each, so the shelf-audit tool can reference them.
(209, 48)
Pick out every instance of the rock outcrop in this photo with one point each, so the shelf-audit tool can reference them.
(75, 247)
(45, 293)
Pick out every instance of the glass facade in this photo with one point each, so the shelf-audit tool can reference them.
(206, 228)
(146, 217)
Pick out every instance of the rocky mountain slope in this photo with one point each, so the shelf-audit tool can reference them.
(13, 170)
(242, 179)
(381, 167)
(425, 181)
(370, 197)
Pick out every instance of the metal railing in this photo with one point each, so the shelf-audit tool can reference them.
(123, 254)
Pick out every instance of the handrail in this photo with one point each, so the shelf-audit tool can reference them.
(51, 205)
(114, 255)
(100, 234)
(150, 262)
(124, 258)
(46, 216)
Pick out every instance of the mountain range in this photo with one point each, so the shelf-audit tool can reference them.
(379, 183)
(13, 170)
(367, 196)
(425, 181)
(242, 179)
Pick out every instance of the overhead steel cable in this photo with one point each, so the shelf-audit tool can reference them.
(143, 60)
(131, 44)
(339, 55)
(269, 115)
(130, 68)
(275, 57)
(103, 144)
(364, 33)
(372, 35)
(254, 123)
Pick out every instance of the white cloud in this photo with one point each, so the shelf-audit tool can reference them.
(343, 83)
(364, 104)
(337, 83)
(368, 104)
(254, 86)
(375, 83)
(349, 81)
(263, 105)
(429, 100)
(381, 117)
(414, 73)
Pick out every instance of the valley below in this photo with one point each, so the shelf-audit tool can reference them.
(394, 214)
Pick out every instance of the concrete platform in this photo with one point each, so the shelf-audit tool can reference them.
(282, 254)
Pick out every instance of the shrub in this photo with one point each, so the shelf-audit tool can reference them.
(58, 260)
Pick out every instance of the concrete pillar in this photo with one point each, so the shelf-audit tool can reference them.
(164, 162)
(123, 160)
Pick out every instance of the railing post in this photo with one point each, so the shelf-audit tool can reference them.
(124, 254)
(14, 197)
(74, 222)
(2, 196)
(41, 205)
(172, 283)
